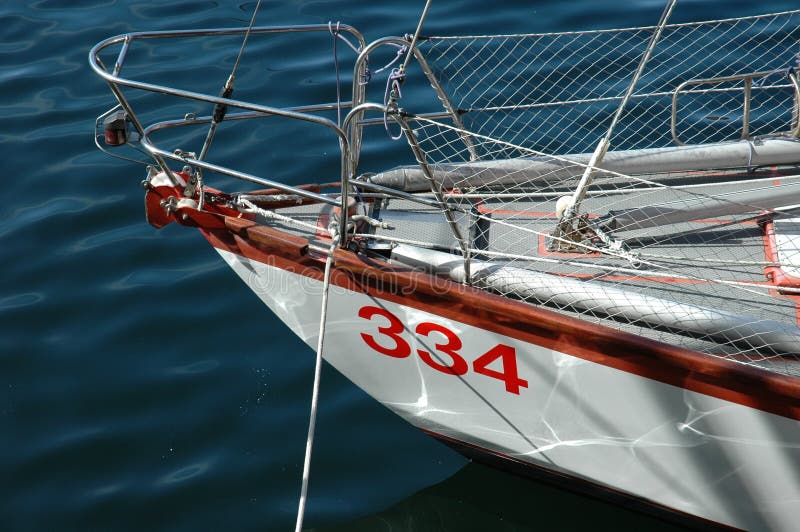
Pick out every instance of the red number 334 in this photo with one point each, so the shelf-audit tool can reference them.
(447, 345)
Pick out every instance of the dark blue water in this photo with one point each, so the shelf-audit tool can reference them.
(142, 386)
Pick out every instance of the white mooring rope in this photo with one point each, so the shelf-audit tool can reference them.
(312, 418)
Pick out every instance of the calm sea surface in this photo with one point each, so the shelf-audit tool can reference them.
(142, 386)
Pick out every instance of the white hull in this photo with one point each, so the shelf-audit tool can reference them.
(699, 268)
(709, 457)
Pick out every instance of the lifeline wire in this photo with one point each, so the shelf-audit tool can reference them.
(312, 419)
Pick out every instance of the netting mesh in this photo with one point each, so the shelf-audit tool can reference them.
(556, 92)
(690, 232)
(694, 280)
(675, 255)
(686, 235)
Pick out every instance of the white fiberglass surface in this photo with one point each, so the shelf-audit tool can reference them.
(702, 455)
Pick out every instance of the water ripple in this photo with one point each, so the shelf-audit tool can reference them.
(155, 277)
(20, 300)
(105, 490)
(52, 207)
(183, 474)
(126, 233)
(59, 5)
(202, 366)
(142, 387)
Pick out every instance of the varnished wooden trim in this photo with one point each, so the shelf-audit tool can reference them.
(724, 379)
(266, 238)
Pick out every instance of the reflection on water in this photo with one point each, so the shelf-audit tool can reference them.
(142, 386)
(481, 498)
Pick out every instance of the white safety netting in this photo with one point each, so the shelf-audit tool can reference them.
(556, 92)
(678, 250)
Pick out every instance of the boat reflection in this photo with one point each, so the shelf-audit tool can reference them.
(481, 498)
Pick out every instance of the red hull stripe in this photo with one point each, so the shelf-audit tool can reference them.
(708, 375)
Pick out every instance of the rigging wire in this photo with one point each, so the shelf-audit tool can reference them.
(312, 419)
(227, 90)
(397, 76)
(244, 43)
(416, 36)
(602, 146)
(323, 320)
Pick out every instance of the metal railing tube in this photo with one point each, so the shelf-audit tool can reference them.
(123, 53)
(206, 32)
(348, 164)
(359, 92)
(156, 151)
(190, 95)
(436, 189)
(248, 115)
(748, 87)
(140, 129)
(114, 81)
(796, 109)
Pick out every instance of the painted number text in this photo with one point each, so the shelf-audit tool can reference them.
(388, 337)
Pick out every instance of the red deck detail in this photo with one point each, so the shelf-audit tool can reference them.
(775, 274)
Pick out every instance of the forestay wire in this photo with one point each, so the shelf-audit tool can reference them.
(324, 308)
(227, 90)
(602, 146)
(398, 75)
